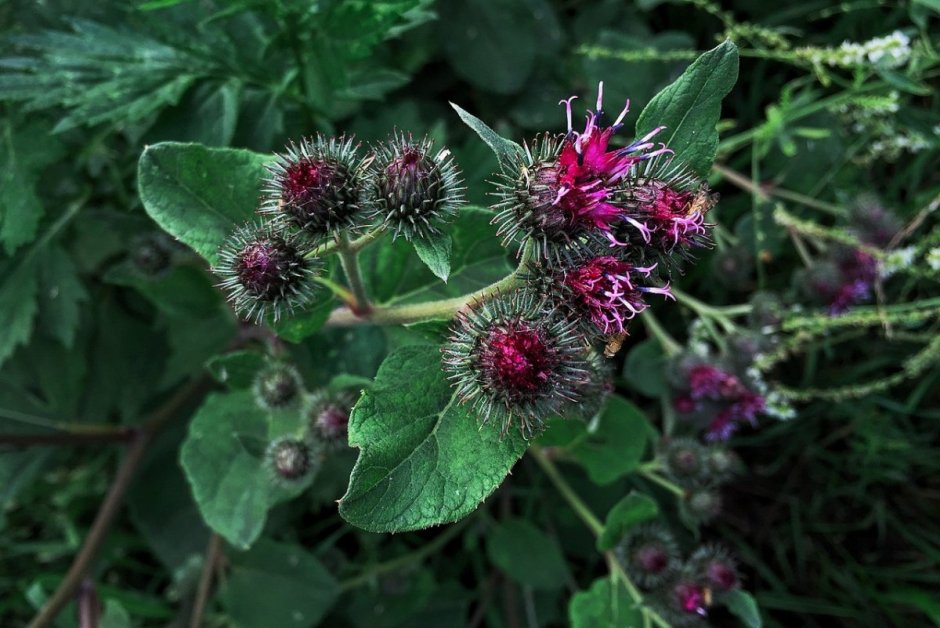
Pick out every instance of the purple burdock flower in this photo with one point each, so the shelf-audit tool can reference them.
(846, 279)
(690, 598)
(721, 398)
(607, 291)
(514, 363)
(563, 191)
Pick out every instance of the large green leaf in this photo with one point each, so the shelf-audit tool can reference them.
(424, 459)
(200, 194)
(604, 604)
(395, 274)
(615, 445)
(223, 461)
(276, 584)
(690, 107)
(61, 296)
(527, 555)
(633, 509)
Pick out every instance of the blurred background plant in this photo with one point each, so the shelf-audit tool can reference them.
(831, 512)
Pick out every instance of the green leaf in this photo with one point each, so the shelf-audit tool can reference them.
(61, 295)
(277, 584)
(506, 151)
(114, 616)
(310, 321)
(494, 44)
(741, 604)
(644, 368)
(633, 509)
(423, 460)
(435, 253)
(200, 194)
(691, 106)
(615, 446)
(230, 483)
(604, 604)
(25, 153)
(527, 555)
(237, 369)
(18, 306)
(185, 292)
(394, 274)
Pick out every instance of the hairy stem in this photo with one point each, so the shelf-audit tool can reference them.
(350, 261)
(443, 309)
(596, 527)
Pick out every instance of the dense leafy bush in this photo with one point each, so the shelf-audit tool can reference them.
(289, 285)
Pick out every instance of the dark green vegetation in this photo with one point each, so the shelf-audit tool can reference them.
(142, 483)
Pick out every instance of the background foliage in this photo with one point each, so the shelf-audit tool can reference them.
(834, 518)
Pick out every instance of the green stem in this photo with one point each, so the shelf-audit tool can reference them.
(595, 526)
(707, 311)
(669, 345)
(341, 291)
(350, 261)
(655, 478)
(443, 309)
(765, 193)
(354, 246)
(414, 557)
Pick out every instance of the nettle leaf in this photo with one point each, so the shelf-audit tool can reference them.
(435, 253)
(423, 460)
(226, 471)
(527, 555)
(61, 295)
(277, 584)
(506, 151)
(633, 509)
(200, 194)
(18, 303)
(691, 105)
(615, 445)
(604, 604)
(26, 151)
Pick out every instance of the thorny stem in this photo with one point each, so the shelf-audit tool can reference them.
(111, 505)
(596, 527)
(349, 259)
(442, 309)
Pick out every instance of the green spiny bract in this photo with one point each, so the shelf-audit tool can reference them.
(514, 363)
(650, 555)
(264, 272)
(713, 566)
(277, 386)
(316, 186)
(664, 212)
(412, 190)
(292, 461)
(526, 189)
